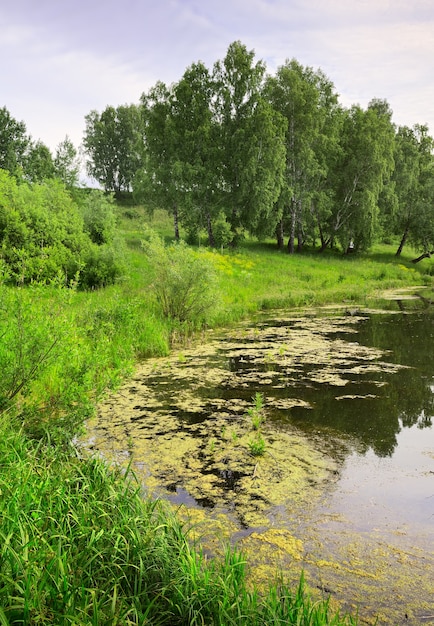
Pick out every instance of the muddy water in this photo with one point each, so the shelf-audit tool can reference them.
(344, 487)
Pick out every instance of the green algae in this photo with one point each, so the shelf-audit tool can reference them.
(182, 423)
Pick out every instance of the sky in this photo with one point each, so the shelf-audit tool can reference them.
(61, 59)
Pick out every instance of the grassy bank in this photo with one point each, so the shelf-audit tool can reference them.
(79, 544)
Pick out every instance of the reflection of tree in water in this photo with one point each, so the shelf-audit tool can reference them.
(372, 413)
(410, 337)
(407, 398)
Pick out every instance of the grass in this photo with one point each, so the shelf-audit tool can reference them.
(79, 545)
(78, 542)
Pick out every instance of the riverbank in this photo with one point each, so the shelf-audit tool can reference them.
(79, 544)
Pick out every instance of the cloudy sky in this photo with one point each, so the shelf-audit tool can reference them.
(61, 58)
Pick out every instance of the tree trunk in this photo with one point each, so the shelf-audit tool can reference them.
(300, 241)
(425, 255)
(325, 243)
(176, 222)
(211, 239)
(291, 246)
(280, 235)
(403, 240)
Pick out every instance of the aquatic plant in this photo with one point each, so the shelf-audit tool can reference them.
(256, 412)
(257, 445)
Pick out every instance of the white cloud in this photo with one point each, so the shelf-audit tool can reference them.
(67, 58)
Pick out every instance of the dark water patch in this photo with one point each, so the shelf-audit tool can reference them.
(231, 479)
(182, 497)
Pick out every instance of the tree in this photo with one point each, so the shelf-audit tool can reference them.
(113, 141)
(38, 162)
(160, 178)
(366, 162)
(422, 235)
(196, 135)
(214, 148)
(252, 146)
(67, 163)
(308, 102)
(14, 143)
(411, 178)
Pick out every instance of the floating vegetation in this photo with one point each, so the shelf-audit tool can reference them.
(244, 430)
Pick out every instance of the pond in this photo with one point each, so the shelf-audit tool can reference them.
(306, 440)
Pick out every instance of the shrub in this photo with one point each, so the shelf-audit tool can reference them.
(223, 234)
(99, 216)
(41, 231)
(103, 265)
(184, 280)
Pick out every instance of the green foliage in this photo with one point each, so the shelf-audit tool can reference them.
(183, 281)
(256, 412)
(99, 216)
(14, 143)
(112, 142)
(103, 265)
(30, 341)
(222, 232)
(41, 231)
(66, 163)
(233, 151)
(257, 445)
(43, 234)
(38, 163)
(367, 142)
(61, 349)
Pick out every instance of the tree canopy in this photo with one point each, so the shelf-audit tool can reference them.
(112, 141)
(235, 150)
(231, 149)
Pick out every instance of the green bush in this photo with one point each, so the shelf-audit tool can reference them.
(184, 281)
(103, 265)
(99, 216)
(43, 232)
(223, 234)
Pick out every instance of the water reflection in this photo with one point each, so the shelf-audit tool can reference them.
(372, 404)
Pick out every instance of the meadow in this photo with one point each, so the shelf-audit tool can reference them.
(80, 543)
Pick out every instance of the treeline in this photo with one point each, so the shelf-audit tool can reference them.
(235, 150)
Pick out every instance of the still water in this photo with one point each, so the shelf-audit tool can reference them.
(344, 487)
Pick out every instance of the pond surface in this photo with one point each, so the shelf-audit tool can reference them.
(344, 487)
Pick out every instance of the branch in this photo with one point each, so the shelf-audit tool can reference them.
(425, 255)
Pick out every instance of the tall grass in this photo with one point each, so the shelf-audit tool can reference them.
(80, 545)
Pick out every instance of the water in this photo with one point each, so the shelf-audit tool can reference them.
(345, 489)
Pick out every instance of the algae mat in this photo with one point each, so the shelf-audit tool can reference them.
(187, 425)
